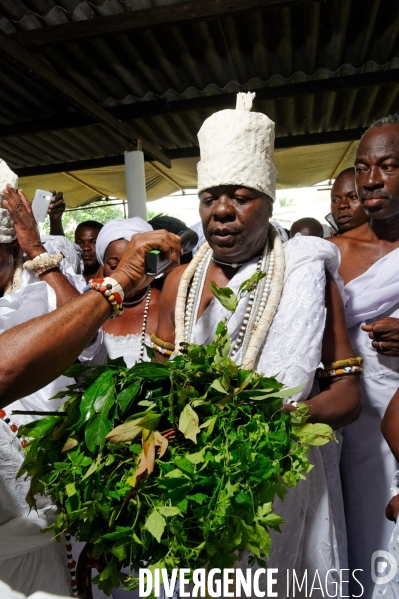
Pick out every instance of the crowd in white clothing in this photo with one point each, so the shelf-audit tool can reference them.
(339, 301)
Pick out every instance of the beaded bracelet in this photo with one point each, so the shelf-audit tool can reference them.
(320, 374)
(163, 344)
(43, 262)
(111, 290)
(161, 350)
(343, 363)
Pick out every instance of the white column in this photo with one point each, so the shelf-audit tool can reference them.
(135, 184)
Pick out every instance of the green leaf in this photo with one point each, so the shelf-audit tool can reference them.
(188, 423)
(225, 295)
(93, 467)
(244, 377)
(120, 531)
(183, 505)
(209, 424)
(185, 466)
(127, 396)
(131, 429)
(104, 402)
(313, 434)
(119, 551)
(70, 489)
(97, 394)
(75, 370)
(273, 520)
(39, 428)
(96, 431)
(62, 466)
(169, 511)
(243, 500)
(155, 524)
(250, 284)
(198, 498)
(217, 385)
(263, 539)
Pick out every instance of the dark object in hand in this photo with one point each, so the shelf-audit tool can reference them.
(155, 261)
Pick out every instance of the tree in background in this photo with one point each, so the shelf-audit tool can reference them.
(99, 212)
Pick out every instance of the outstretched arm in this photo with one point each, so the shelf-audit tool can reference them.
(38, 351)
(339, 402)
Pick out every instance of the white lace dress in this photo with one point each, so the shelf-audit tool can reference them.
(126, 347)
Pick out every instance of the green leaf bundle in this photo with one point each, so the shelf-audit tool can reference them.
(172, 464)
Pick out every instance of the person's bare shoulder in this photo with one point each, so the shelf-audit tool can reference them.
(346, 240)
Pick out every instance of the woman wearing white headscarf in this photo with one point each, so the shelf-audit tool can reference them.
(127, 335)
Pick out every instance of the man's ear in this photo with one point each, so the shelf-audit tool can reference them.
(270, 208)
(15, 248)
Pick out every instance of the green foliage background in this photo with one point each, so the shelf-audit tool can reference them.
(101, 213)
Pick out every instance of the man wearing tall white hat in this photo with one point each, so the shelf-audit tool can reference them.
(279, 329)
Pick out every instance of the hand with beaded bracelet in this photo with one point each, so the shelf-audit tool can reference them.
(55, 340)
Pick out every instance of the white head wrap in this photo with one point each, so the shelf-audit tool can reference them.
(119, 228)
(7, 229)
(237, 148)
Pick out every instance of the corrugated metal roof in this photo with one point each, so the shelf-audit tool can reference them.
(309, 41)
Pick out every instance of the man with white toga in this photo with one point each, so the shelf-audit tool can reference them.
(369, 267)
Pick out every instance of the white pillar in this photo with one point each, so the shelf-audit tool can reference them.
(135, 184)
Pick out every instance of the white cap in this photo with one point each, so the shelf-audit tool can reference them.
(237, 148)
(7, 229)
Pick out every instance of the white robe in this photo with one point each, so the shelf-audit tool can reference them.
(314, 537)
(367, 464)
(30, 560)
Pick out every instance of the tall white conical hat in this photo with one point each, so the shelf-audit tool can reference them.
(7, 229)
(237, 148)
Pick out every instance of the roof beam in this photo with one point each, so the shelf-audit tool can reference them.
(150, 18)
(191, 152)
(162, 106)
(22, 58)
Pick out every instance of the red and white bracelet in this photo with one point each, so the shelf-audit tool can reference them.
(111, 290)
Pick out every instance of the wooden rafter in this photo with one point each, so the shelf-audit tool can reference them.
(150, 18)
(191, 152)
(142, 110)
(18, 55)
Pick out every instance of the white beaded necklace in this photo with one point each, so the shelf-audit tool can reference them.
(256, 302)
(262, 304)
(144, 326)
(195, 296)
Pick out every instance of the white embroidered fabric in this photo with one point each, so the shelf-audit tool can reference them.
(13, 491)
(126, 346)
(29, 560)
(314, 536)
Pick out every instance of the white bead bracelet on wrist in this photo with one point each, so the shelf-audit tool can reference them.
(43, 262)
